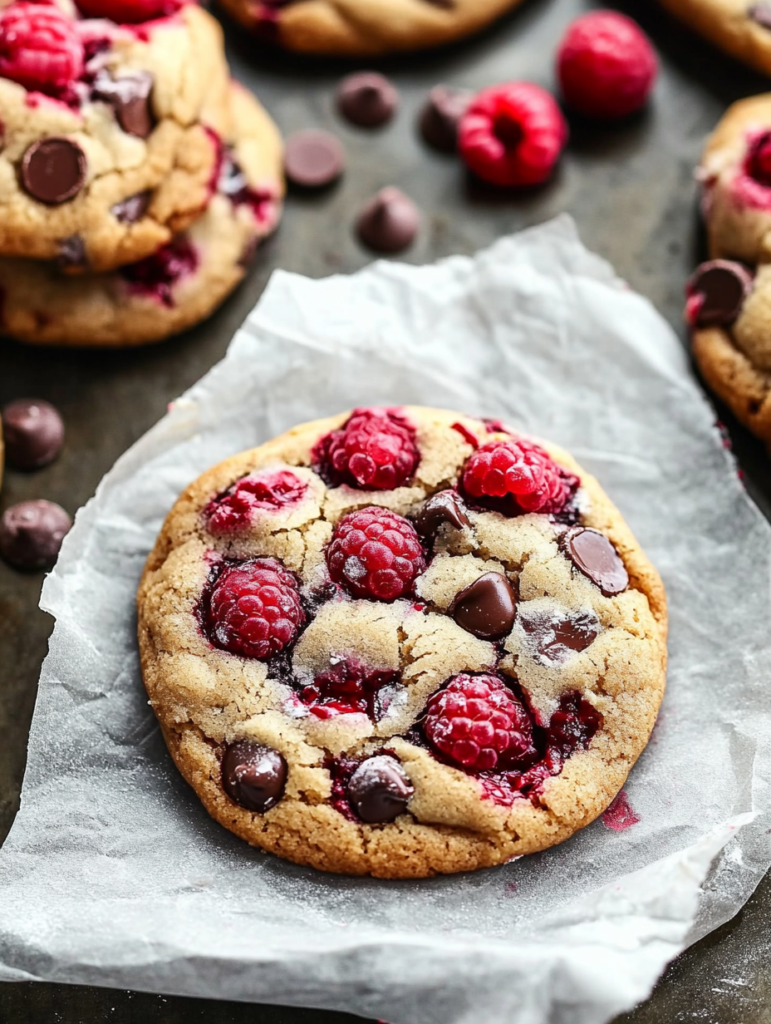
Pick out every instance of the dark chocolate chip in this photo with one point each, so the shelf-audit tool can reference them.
(444, 507)
(389, 221)
(553, 636)
(129, 97)
(72, 252)
(379, 789)
(253, 775)
(31, 534)
(132, 209)
(53, 169)
(367, 99)
(720, 288)
(313, 159)
(760, 14)
(595, 556)
(33, 433)
(441, 115)
(487, 608)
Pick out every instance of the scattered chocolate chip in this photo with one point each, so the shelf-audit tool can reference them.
(379, 789)
(72, 252)
(553, 636)
(367, 99)
(132, 209)
(389, 221)
(129, 97)
(487, 608)
(253, 775)
(33, 432)
(313, 159)
(440, 117)
(595, 556)
(53, 169)
(717, 291)
(760, 14)
(31, 534)
(444, 507)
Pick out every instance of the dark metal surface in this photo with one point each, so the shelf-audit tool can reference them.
(630, 190)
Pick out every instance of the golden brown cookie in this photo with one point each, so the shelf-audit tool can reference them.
(740, 27)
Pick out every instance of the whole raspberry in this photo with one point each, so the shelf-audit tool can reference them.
(478, 723)
(512, 134)
(606, 65)
(39, 47)
(129, 12)
(375, 450)
(757, 163)
(234, 510)
(519, 477)
(375, 553)
(254, 609)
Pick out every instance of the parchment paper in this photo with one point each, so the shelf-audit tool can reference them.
(114, 875)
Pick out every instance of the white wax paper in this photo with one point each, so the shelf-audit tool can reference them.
(114, 874)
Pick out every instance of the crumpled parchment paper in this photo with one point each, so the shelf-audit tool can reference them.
(113, 873)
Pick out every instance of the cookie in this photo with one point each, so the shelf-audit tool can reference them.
(359, 28)
(177, 286)
(401, 642)
(740, 27)
(109, 141)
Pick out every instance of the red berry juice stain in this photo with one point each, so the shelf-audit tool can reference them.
(466, 434)
(619, 816)
(510, 890)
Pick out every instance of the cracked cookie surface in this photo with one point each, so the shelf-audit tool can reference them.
(740, 27)
(432, 676)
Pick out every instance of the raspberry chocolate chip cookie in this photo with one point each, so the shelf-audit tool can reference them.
(109, 141)
(740, 27)
(178, 285)
(361, 28)
(402, 642)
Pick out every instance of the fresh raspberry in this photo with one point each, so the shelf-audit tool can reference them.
(375, 450)
(512, 134)
(519, 477)
(375, 553)
(346, 687)
(254, 609)
(478, 723)
(234, 510)
(129, 12)
(39, 47)
(757, 163)
(156, 275)
(606, 65)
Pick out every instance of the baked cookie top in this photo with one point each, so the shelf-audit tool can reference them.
(110, 132)
(402, 642)
(740, 27)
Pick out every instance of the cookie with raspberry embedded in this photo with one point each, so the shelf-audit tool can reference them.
(109, 143)
(178, 285)
(365, 27)
(740, 27)
(401, 642)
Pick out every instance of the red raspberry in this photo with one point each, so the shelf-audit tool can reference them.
(478, 723)
(758, 161)
(375, 449)
(520, 473)
(606, 65)
(129, 12)
(234, 510)
(156, 275)
(512, 134)
(375, 553)
(39, 47)
(346, 687)
(254, 609)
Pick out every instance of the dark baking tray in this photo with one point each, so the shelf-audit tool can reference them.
(631, 191)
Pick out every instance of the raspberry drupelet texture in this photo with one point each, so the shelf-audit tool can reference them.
(512, 134)
(39, 47)
(375, 554)
(253, 609)
(129, 11)
(374, 450)
(478, 723)
(606, 65)
(235, 510)
(518, 476)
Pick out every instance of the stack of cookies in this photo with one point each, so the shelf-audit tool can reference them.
(136, 178)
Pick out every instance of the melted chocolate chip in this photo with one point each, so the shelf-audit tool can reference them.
(132, 209)
(253, 775)
(33, 432)
(760, 14)
(129, 97)
(31, 534)
(553, 636)
(487, 608)
(367, 99)
(53, 169)
(444, 507)
(72, 252)
(313, 159)
(595, 556)
(720, 288)
(389, 221)
(440, 117)
(379, 789)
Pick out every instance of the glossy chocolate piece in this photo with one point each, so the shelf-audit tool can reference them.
(53, 169)
(553, 636)
(31, 534)
(720, 288)
(253, 775)
(389, 221)
(132, 209)
(72, 252)
(129, 97)
(33, 432)
(592, 553)
(441, 115)
(443, 507)
(313, 159)
(367, 99)
(379, 789)
(487, 608)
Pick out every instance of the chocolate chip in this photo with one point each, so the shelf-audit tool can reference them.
(132, 209)
(31, 534)
(367, 99)
(33, 432)
(553, 636)
(720, 288)
(129, 97)
(379, 789)
(53, 169)
(486, 608)
(389, 222)
(595, 556)
(313, 159)
(761, 14)
(232, 180)
(444, 507)
(440, 117)
(72, 252)
(253, 775)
